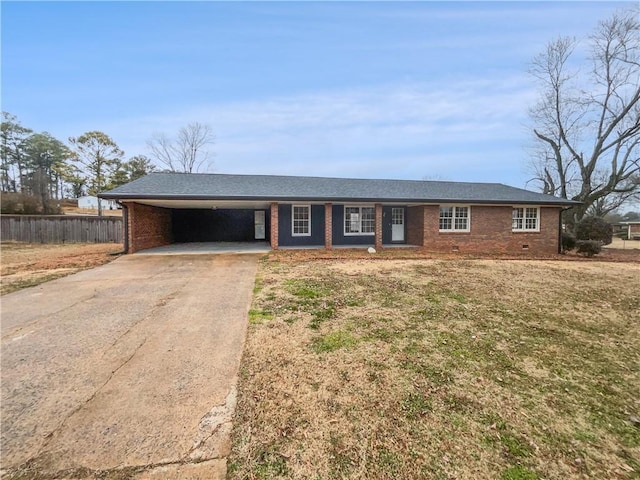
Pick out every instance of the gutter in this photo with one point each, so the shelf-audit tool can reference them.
(335, 199)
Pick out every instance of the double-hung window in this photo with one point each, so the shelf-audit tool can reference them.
(301, 220)
(525, 219)
(359, 221)
(455, 219)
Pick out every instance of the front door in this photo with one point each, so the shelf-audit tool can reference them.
(397, 224)
(259, 224)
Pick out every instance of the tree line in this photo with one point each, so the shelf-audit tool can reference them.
(38, 164)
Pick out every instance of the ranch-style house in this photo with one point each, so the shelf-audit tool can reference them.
(290, 211)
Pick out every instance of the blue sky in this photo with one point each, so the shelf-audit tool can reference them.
(412, 90)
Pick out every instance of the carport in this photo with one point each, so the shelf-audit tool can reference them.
(157, 222)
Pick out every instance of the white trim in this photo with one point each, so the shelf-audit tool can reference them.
(359, 233)
(524, 218)
(453, 228)
(293, 234)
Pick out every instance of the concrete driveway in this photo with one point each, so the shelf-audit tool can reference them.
(130, 367)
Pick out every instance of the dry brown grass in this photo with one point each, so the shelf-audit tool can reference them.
(25, 265)
(91, 211)
(432, 368)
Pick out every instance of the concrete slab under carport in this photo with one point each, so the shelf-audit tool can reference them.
(208, 248)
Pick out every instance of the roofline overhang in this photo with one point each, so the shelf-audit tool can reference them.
(132, 197)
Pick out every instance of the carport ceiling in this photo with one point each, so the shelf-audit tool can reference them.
(208, 204)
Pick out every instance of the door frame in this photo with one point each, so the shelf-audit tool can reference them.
(256, 214)
(404, 224)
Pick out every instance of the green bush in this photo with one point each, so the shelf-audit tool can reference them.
(568, 242)
(589, 248)
(594, 228)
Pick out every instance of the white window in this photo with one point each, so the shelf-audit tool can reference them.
(526, 219)
(301, 221)
(359, 220)
(454, 219)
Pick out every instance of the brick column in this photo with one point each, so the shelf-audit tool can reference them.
(274, 225)
(378, 236)
(328, 226)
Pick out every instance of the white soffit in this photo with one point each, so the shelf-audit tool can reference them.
(205, 204)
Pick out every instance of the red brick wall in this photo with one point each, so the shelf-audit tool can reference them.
(415, 226)
(328, 226)
(148, 227)
(378, 227)
(274, 226)
(634, 231)
(490, 232)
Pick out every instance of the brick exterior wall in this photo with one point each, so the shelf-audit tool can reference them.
(490, 232)
(378, 233)
(148, 227)
(274, 226)
(415, 225)
(328, 226)
(634, 231)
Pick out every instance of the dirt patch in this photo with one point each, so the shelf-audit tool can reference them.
(434, 368)
(25, 265)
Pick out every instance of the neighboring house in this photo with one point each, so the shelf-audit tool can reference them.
(89, 202)
(632, 230)
(163, 208)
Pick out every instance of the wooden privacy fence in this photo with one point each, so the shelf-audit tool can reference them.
(60, 229)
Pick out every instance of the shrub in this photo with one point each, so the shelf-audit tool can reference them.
(23, 204)
(589, 248)
(568, 242)
(594, 228)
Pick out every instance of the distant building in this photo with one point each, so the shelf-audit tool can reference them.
(632, 230)
(89, 202)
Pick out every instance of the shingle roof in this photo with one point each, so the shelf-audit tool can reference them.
(288, 188)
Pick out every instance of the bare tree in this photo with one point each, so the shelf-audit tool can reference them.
(187, 152)
(587, 124)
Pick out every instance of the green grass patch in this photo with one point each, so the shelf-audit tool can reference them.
(307, 288)
(415, 405)
(333, 341)
(257, 317)
(519, 473)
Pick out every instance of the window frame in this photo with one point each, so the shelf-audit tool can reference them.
(359, 232)
(453, 217)
(524, 218)
(293, 221)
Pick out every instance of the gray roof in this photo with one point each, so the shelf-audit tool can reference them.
(195, 186)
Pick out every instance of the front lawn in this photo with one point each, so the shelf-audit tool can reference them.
(466, 369)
